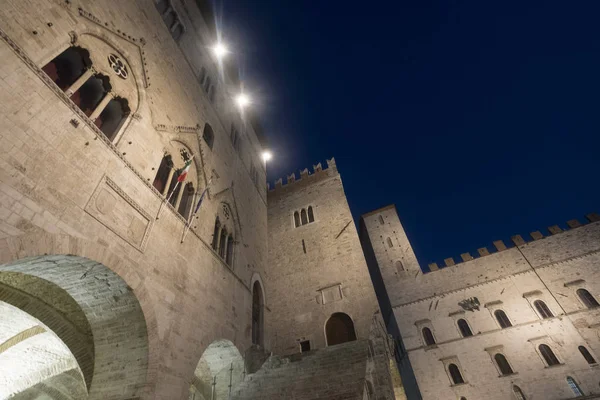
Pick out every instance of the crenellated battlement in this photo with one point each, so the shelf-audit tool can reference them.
(305, 176)
(517, 240)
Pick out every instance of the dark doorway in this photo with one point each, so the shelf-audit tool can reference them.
(257, 314)
(339, 329)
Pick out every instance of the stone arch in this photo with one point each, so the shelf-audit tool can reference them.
(220, 366)
(32, 245)
(92, 310)
(339, 329)
(258, 314)
(52, 367)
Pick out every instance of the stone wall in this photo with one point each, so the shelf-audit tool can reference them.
(548, 269)
(318, 268)
(66, 189)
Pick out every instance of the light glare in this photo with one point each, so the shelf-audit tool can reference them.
(242, 100)
(266, 155)
(220, 50)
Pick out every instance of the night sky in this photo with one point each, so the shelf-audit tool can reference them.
(478, 120)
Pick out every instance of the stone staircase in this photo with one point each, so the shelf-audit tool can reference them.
(334, 373)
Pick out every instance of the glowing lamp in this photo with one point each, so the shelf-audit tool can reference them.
(266, 155)
(242, 100)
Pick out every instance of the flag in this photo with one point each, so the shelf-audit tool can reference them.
(200, 200)
(184, 171)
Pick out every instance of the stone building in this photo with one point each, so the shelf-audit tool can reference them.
(116, 119)
(518, 323)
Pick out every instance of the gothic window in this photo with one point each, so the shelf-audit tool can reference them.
(518, 393)
(389, 242)
(229, 253)
(311, 216)
(296, 219)
(216, 233)
(303, 217)
(548, 355)
(464, 328)
(186, 200)
(257, 314)
(502, 319)
(170, 18)
(587, 299)
(112, 117)
(381, 220)
(503, 365)
(162, 175)
(222, 243)
(574, 386)
(89, 95)
(68, 66)
(586, 354)
(455, 374)
(428, 336)
(235, 137)
(208, 135)
(543, 309)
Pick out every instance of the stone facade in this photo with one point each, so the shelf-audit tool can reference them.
(491, 316)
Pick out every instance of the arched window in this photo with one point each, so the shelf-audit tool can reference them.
(257, 314)
(208, 135)
(548, 355)
(389, 242)
(502, 319)
(428, 336)
(311, 217)
(381, 220)
(296, 219)
(216, 234)
(162, 175)
(91, 93)
(586, 354)
(464, 328)
(399, 267)
(174, 188)
(518, 393)
(503, 365)
(235, 136)
(222, 243)
(574, 386)
(186, 200)
(339, 329)
(229, 253)
(455, 374)
(68, 66)
(303, 217)
(543, 309)
(112, 117)
(587, 298)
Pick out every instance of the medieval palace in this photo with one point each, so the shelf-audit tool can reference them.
(144, 256)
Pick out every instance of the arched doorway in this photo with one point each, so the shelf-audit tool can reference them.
(339, 329)
(257, 314)
(219, 371)
(92, 311)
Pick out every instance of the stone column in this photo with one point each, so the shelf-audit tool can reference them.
(179, 195)
(218, 242)
(169, 179)
(101, 106)
(80, 81)
(225, 248)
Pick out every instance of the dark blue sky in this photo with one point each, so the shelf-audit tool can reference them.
(478, 120)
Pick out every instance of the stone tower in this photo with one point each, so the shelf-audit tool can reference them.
(317, 271)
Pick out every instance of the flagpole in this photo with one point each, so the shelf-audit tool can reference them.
(171, 194)
(186, 229)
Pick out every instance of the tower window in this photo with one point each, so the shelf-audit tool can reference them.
(311, 216)
(208, 135)
(428, 336)
(381, 220)
(304, 216)
(464, 328)
(389, 242)
(548, 355)
(399, 267)
(503, 365)
(586, 354)
(543, 309)
(587, 299)
(574, 386)
(455, 374)
(502, 319)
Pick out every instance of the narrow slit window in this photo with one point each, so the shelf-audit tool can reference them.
(381, 220)
(389, 242)
(296, 219)
(303, 246)
(311, 216)
(303, 217)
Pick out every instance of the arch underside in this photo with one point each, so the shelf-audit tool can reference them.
(93, 312)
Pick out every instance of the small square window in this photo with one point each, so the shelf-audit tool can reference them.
(305, 346)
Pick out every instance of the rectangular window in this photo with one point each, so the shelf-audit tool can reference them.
(305, 346)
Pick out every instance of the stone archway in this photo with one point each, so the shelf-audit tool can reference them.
(92, 310)
(219, 371)
(257, 314)
(339, 329)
